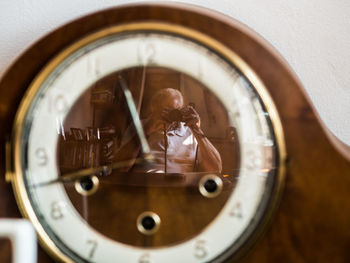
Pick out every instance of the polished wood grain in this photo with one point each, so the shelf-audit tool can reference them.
(312, 221)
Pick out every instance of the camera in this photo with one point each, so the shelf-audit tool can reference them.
(175, 115)
(178, 115)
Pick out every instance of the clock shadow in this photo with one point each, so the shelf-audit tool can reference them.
(95, 129)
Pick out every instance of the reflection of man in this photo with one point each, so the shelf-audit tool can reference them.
(177, 142)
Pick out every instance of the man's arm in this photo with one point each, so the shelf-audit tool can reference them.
(209, 159)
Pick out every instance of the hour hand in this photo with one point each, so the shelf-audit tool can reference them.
(88, 172)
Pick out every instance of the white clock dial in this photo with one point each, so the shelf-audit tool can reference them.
(232, 99)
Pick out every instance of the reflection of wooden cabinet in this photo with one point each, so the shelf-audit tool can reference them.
(228, 148)
(83, 148)
(79, 154)
(102, 96)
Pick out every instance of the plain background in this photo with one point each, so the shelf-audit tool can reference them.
(312, 35)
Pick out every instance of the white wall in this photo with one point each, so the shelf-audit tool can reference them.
(313, 36)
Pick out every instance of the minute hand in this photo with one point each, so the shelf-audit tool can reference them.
(135, 117)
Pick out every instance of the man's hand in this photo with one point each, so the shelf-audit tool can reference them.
(191, 117)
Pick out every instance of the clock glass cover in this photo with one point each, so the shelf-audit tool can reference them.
(147, 143)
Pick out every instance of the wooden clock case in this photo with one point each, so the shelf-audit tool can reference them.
(311, 223)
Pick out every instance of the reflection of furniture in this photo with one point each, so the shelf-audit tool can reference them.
(228, 148)
(102, 95)
(85, 148)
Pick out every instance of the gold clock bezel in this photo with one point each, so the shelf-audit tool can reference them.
(16, 175)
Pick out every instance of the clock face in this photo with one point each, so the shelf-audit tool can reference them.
(147, 142)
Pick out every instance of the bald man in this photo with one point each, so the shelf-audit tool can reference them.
(175, 138)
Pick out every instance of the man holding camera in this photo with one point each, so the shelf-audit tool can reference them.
(176, 140)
